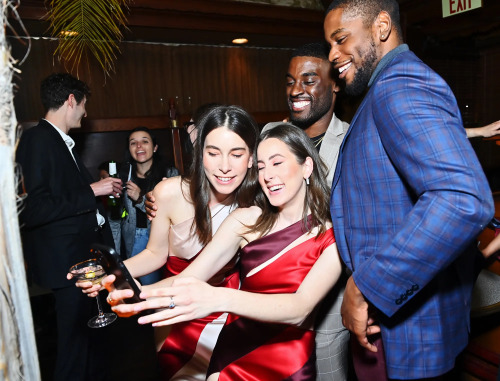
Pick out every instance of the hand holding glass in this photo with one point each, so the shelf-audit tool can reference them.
(92, 271)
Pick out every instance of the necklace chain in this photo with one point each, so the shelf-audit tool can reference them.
(318, 142)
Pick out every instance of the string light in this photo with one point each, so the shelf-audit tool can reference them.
(68, 33)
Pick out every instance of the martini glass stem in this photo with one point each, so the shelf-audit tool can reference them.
(99, 306)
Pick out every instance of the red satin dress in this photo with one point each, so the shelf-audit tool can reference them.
(255, 351)
(186, 352)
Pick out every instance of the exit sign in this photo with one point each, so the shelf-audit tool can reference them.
(452, 7)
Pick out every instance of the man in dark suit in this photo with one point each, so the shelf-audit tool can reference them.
(408, 199)
(60, 220)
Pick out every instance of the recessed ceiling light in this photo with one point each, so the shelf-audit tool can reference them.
(240, 41)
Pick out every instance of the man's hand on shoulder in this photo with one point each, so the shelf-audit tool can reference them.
(107, 186)
(150, 205)
(150, 200)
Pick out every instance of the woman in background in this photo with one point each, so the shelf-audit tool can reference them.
(143, 169)
(196, 119)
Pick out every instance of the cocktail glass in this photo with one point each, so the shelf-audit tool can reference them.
(91, 271)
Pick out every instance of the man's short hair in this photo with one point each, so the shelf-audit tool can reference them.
(369, 10)
(56, 88)
(318, 49)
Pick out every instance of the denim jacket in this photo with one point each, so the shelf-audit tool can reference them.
(124, 229)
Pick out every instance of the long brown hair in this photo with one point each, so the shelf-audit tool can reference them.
(316, 199)
(241, 123)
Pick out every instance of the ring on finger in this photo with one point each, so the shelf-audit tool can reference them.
(172, 303)
(110, 299)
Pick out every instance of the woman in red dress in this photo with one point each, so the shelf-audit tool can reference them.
(288, 262)
(190, 210)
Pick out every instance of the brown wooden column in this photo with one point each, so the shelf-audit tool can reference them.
(177, 149)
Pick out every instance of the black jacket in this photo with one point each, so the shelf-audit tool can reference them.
(58, 218)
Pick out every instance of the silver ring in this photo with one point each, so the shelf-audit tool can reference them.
(110, 300)
(172, 303)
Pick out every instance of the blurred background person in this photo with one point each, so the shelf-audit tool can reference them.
(103, 170)
(199, 113)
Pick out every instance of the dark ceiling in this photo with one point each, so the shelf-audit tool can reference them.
(217, 22)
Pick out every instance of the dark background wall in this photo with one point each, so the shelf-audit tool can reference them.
(147, 76)
(146, 73)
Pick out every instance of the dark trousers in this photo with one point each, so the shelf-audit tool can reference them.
(80, 353)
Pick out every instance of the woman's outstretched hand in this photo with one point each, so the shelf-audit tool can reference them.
(116, 298)
(187, 299)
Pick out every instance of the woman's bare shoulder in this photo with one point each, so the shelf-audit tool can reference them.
(168, 189)
(247, 216)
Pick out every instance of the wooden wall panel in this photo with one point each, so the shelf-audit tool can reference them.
(491, 84)
(464, 78)
(145, 73)
(475, 82)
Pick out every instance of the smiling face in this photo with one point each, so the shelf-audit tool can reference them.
(140, 145)
(352, 50)
(226, 159)
(281, 176)
(309, 89)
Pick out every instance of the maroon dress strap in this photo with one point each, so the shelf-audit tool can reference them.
(268, 246)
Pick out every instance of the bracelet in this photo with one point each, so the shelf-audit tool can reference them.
(139, 200)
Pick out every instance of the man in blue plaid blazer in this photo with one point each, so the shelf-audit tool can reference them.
(408, 199)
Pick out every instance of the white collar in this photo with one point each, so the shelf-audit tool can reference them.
(67, 139)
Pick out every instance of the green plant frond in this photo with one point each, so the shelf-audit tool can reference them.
(96, 27)
(114, 11)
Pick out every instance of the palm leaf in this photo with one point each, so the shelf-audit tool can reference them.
(88, 27)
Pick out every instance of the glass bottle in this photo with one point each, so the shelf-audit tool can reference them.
(114, 203)
(173, 113)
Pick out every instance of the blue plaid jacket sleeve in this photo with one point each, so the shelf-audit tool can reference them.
(423, 141)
